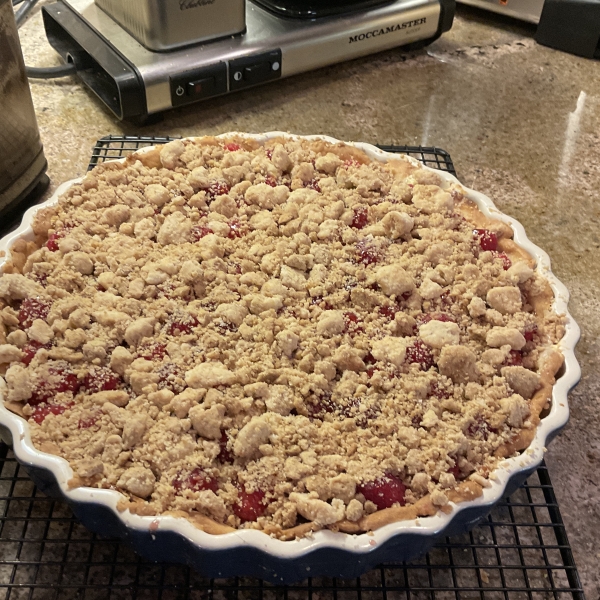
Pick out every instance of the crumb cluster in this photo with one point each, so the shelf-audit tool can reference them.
(271, 335)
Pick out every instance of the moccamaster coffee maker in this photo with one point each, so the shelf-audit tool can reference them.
(145, 56)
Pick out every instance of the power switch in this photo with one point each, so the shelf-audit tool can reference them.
(252, 70)
(199, 84)
(202, 87)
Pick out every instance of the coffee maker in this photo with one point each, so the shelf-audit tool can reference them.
(142, 57)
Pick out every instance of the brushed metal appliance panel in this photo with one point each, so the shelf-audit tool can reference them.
(526, 10)
(163, 25)
(334, 46)
(305, 44)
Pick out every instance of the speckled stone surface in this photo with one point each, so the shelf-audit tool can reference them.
(521, 123)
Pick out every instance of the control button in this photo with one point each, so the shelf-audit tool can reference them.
(257, 73)
(205, 82)
(201, 87)
(252, 70)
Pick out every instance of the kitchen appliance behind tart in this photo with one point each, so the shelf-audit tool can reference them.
(144, 57)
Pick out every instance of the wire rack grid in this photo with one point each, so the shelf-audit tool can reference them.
(520, 552)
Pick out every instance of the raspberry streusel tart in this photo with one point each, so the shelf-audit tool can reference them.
(284, 336)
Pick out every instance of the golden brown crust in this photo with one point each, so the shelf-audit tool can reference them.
(150, 159)
(471, 212)
(543, 299)
(19, 253)
(297, 532)
(515, 252)
(15, 407)
(465, 492)
(552, 361)
(49, 448)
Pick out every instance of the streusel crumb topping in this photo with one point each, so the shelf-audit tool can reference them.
(270, 335)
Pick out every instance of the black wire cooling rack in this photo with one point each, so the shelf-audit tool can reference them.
(117, 146)
(520, 552)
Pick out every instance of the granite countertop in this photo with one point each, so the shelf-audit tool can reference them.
(521, 123)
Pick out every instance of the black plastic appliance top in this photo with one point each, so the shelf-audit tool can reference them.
(314, 9)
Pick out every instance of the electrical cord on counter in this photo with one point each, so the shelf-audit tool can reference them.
(24, 10)
(40, 72)
(51, 72)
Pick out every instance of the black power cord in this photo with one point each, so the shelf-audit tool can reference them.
(24, 10)
(51, 72)
(40, 72)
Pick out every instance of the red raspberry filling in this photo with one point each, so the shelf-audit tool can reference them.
(351, 162)
(41, 411)
(32, 309)
(101, 379)
(368, 253)
(232, 147)
(353, 323)
(199, 232)
(152, 351)
(443, 317)
(225, 455)
(60, 380)
(506, 262)
(530, 332)
(421, 354)
(480, 428)
(455, 470)
(217, 188)
(487, 239)
(313, 185)
(321, 405)
(31, 349)
(384, 492)
(388, 311)
(171, 377)
(439, 392)
(236, 229)
(250, 505)
(197, 481)
(360, 218)
(514, 359)
(181, 324)
(53, 239)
